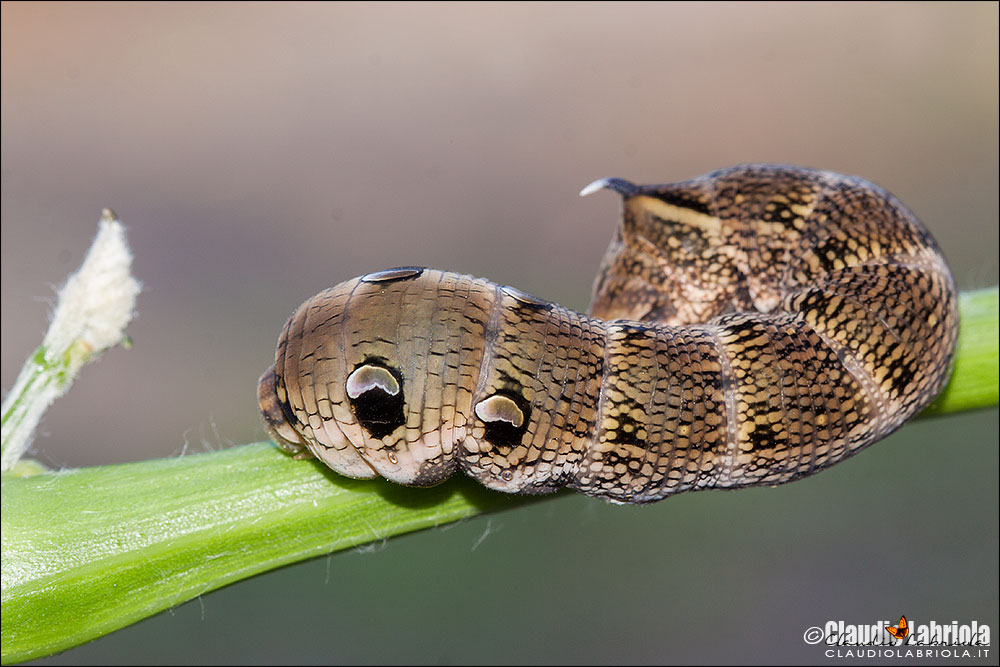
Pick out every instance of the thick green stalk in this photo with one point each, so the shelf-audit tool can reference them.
(88, 551)
(974, 381)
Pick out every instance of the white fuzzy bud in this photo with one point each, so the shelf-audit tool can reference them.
(93, 309)
(96, 303)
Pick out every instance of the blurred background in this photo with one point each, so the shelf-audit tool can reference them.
(259, 153)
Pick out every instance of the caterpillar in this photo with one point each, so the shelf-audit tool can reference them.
(751, 326)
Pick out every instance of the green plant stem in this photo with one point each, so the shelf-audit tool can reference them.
(43, 378)
(974, 381)
(88, 551)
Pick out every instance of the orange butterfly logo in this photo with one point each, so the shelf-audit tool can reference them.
(899, 631)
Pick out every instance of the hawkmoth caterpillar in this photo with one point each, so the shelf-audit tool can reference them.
(750, 326)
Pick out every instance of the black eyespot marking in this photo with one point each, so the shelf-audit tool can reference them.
(375, 392)
(505, 416)
(393, 275)
(525, 299)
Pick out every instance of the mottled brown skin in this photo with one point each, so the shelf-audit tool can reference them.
(751, 326)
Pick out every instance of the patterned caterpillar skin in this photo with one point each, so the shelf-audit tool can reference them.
(751, 326)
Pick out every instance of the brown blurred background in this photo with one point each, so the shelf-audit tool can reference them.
(260, 152)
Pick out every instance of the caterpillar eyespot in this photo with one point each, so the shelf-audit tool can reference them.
(375, 395)
(371, 377)
(748, 327)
